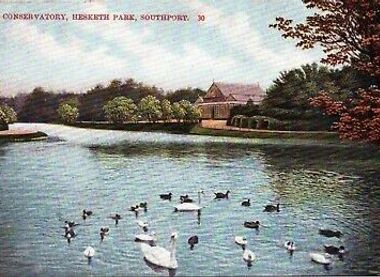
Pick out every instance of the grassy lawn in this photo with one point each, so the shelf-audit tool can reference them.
(265, 134)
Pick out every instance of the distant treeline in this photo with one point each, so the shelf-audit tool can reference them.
(41, 105)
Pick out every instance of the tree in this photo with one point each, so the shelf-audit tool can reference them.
(115, 83)
(40, 106)
(70, 99)
(120, 109)
(3, 120)
(246, 110)
(194, 114)
(150, 108)
(289, 96)
(7, 116)
(191, 113)
(188, 94)
(359, 119)
(67, 113)
(292, 89)
(178, 111)
(348, 32)
(166, 108)
(92, 102)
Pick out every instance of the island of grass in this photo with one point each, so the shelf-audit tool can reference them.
(21, 135)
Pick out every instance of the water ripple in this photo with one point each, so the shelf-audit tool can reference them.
(45, 183)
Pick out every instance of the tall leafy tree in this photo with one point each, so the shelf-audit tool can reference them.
(289, 95)
(149, 108)
(92, 102)
(348, 32)
(7, 116)
(178, 111)
(120, 109)
(40, 106)
(188, 94)
(191, 113)
(292, 89)
(166, 108)
(67, 113)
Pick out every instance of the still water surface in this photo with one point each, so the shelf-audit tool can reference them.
(318, 186)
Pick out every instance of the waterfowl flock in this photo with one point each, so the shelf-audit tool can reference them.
(166, 258)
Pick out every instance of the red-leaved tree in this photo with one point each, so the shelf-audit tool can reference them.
(348, 31)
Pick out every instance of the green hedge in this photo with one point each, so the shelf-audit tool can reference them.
(244, 122)
(306, 125)
(260, 122)
(292, 114)
(278, 113)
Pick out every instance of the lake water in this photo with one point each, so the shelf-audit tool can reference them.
(318, 186)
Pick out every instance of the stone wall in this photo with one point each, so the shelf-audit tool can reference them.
(215, 111)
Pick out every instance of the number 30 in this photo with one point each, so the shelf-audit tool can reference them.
(201, 17)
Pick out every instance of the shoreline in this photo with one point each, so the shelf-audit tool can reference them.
(19, 135)
(187, 128)
(267, 134)
(197, 129)
(168, 127)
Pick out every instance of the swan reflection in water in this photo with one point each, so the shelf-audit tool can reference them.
(160, 269)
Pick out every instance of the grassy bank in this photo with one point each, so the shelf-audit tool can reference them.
(9, 136)
(263, 134)
(194, 129)
(169, 127)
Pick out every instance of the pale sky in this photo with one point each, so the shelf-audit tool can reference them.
(233, 44)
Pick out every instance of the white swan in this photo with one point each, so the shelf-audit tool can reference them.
(89, 252)
(184, 207)
(249, 256)
(240, 240)
(160, 256)
(187, 207)
(146, 238)
(320, 258)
